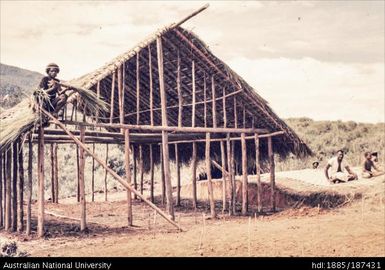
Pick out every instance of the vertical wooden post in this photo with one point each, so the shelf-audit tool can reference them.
(194, 174)
(78, 176)
(224, 108)
(224, 177)
(180, 97)
(29, 184)
(93, 175)
(230, 161)
(193, 94)
(98, 96)
(177, 175)
(170, 204)
(151, 86)
(120, 95)
(52, 175)
(137, 89)
(235, 113)
(163, 186)
(272, 172)
(4, 168)
(244, 175)
(8, 180)
(128, 174)
(214, 103)
(112, 97)
(209, 180)
(105, 176)
(56, 178)
(205, 99)
(20, 212)
(141, 168)
(258, 174)
(151, 174)
(14, 185)
(135, 170)
(83, 223)
(1, 189)
(40, 162)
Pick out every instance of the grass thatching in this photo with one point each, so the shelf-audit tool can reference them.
(25, 116)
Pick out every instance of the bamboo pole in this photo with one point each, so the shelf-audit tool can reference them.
(163, 186)
(214, 105)
(235, 113)
(20, 212)
(141, 168)
(244, 176)
(98, 95)
(135, 170)
(151, 174)
(193, 93)
(56, 179)
(29, 184)
(83, 224)
(112, 97)
(114, 174)
(191, 15)
(128, 174)
(120, 95)
(137, 89)
(194, 174)
(4, 180)
(272, 172)
(230, 162)
(224, 108)
(8, 180)
(205, 100)
(180, 97)
(177, 175)
(151, 86)
(105, 177)
(14, 185)
(224, 177)
(258, 175)
(209, 180)
(1, 189)
(40, 215)
(53, 199)
(165, 150)
(93, 176)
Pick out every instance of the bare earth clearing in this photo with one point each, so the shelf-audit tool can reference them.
(356, 228)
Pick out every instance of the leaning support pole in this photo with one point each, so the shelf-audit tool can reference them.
(82, 196)
(20, 196)
(209, 180)
(114, 174)
(244, 175)
(258, 174)
(272, 172)
(29, 184)
(128, 174)
(40, 191)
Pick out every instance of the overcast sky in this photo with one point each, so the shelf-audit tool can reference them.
(323, 60)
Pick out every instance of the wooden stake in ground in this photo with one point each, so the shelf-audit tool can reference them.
(14, 185)
(29, 184)
(258, 175)
(40, 173)
(244, 175)
(105, 176)
(128, 174)
(1, 189)
(177, 175)
(83, 223)
(209, 180)
(20, 212)
(141, 168)
(56, 176)
(194, 174)
(53, 199)
(78, 176)
(224, 177)
(151, 174)
(93, 176)
(8, 180)
(272, 172)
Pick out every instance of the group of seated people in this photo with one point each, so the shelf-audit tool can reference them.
(338, 170)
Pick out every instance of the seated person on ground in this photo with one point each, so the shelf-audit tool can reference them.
(51, 85)
(339, 169)
(375, 161)
(369, 169)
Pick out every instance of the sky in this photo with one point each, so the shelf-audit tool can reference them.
(318, 59)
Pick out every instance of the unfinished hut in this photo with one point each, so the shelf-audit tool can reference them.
(169, 98)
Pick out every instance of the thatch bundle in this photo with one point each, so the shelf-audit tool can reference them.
(26, 116)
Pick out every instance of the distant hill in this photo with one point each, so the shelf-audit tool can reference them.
(16, 83)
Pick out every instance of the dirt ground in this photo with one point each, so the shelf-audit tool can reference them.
(355, 229)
